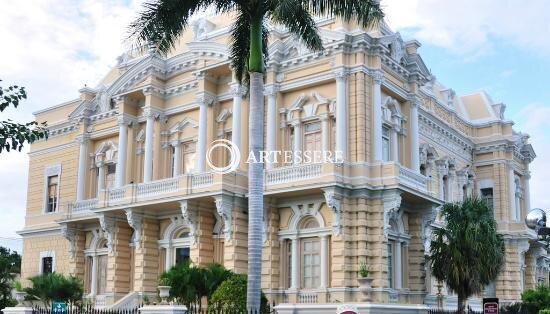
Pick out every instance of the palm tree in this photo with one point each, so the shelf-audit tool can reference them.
(468, 253)
(162, 21)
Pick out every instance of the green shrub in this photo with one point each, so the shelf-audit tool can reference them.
(514, 308)
(55, 287)
(231, 296)
(545, 311)
(536, 299)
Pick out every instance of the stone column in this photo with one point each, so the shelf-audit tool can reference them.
(121, 155)
(450, 183)
(297, 124)
(148, 156)
(204, 100)
(394, 140)
(294, 267)
(512, 192)
(398, 265)
(341, 113)
(414, 131)
(168, 257)
(100, 177)
(325, 133)
(271, 134)
(324, 261)
(82, 160)
(237, 91)
(377, 80)
(93, 283)
(527, 192)
(177, 158)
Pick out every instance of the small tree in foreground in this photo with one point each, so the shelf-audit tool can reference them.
(536, 300)
(10, 265)
(55, 287)
(468, 253)
(230, 297)
(12, 134)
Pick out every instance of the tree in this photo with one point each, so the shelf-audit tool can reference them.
(230, 297)
(10, 266)
(162, 21)
(468, 253)
(12, 134)
(535, 300)
(55, 287)
(190, 283)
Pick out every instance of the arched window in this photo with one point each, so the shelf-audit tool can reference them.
(304, 261)
(397, 254)
(181, 246)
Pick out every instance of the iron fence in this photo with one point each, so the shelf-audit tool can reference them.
(441, 311)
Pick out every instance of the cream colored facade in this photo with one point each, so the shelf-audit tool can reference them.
(135, 194)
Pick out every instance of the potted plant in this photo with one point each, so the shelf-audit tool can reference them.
(164, 290)
(365, 281)
(19, 294)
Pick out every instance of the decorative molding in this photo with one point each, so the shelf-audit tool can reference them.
(107, 225)
(135, 220)
(392, 208)
(334, 203)
(69, 234)
(224, 208)
(190, 217)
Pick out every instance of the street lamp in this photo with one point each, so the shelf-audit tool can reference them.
(538, 220)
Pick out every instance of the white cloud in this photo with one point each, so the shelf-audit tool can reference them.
(469, 26)
(53, 48)
(533, 120)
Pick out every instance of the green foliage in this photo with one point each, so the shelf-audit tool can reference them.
(545, 311)
(55, 287)
(514, 308)
(13, 135)
(10, 265)
(363, 270)
(536, 299)
(468, 253)
(189, 283)
(231, 296)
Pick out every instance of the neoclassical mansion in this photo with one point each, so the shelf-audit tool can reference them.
(122, 190)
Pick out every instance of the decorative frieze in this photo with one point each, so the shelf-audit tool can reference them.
(135, 221)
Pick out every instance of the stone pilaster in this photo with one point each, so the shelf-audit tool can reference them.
(271, 251)
(236, 242)
(146, 257)
(202, 253)
(118, 235)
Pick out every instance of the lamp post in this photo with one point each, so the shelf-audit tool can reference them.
(538, 220)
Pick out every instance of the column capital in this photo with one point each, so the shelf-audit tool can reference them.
(414, 100)
(237, 90)
(174, 143)
(271, 89)
(83, 138)
(378, 77)
(340, 73)
(151, 112)
(205, 98)
(152, 90)
(124, 119)
(296, 123)
(324, 117)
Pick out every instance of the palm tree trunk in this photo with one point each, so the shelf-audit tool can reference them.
(255, 169)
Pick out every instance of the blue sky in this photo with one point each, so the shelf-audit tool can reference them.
(501, 46)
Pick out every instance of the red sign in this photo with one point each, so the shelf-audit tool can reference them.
(490, 306)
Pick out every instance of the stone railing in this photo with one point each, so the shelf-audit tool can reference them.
(157, 187)
(202, 179)
(307, 297)
(413, 179)
(117, 194)
(84, 205)
(293, 173)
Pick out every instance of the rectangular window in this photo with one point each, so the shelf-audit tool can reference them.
(53, 186)
(385, 144)
(182, 254)
(173, 160)
(311, 264)
(312, 139)
(110, 177)
(47, 265)
(487, 196)
(188, 157)
(390, 264)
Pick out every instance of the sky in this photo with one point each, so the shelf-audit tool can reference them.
(55, 47)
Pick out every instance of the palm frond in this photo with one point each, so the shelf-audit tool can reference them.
(294, 15)
(162, 21)
(240, 47)
(367, 12)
